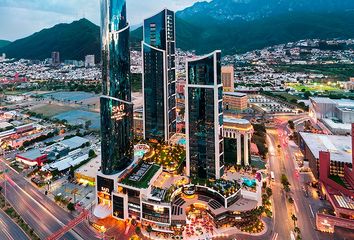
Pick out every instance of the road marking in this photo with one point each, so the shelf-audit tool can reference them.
(46, 210)
(313, 215)
(275, 236)
(297, 210)
(9, 166)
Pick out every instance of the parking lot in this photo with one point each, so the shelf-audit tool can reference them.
(79, 193)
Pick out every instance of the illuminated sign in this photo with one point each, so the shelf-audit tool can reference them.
(118, 112)
(105, 185)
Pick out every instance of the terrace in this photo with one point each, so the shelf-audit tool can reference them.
(141, 175)
(169, 157)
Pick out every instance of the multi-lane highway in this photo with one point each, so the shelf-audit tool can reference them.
(9, 230)
(41, 213)
(282, 161)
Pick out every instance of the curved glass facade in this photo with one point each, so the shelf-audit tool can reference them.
(116, 107)
(204, 123)
(159, 76)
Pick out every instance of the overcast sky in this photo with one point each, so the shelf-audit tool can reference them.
(20, 18)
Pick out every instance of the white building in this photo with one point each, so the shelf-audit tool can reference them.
(90, 61)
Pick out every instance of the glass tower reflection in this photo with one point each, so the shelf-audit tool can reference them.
(116, 107)
(204, 118)
(159, 76)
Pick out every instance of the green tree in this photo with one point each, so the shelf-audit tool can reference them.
(291, 124)
(92, 153)
(294, 218)
(269, 191)
(149, 229)
(71, 206)
(138, 230)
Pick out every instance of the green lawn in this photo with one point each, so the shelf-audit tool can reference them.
(144, 182)
(315, 88)
(288, 96)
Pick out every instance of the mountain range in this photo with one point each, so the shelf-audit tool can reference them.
(234, 26)
(74, 41)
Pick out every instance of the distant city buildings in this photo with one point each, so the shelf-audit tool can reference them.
(159, 76)
(235, 101)
(228, 78)
(336, 114)
(204, 117)
(89, 61)
(55, 58)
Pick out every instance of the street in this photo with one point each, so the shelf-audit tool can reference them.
(282, 161)
(41, 213)
(9, 230)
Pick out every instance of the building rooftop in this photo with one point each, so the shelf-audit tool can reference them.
(141, 175)
(322, 100)
(75, 142)
(31, 155)
(235, 94)
(339, 146)
(237, 123)
(4, 125)
(91, 168)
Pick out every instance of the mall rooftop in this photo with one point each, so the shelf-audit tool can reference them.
(339, 146)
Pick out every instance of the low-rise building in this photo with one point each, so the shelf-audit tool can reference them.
(32, 157)
(312, 144)
(235, 101)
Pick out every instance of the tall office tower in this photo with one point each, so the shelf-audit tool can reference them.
(116, 106)
(204, 117)
(228, 78)
(55, 58)
(159, 76)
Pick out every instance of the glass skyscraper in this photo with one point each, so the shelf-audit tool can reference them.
(204, 117)
(159, 76)
(116, 106)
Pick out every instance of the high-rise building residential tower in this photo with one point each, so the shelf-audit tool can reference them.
(55, 58)
(116, 106)
(204, 117)
(159, 76)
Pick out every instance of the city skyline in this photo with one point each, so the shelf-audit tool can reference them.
(29, 16)
(141, 139)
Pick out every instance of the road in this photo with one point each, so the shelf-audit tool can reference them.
(281, 225)
(41, 213)
(9, 230)
(282, 161)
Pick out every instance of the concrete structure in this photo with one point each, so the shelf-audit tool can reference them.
(89, 61)
(228, 78)
(339, 146)
(349, 85)
(336, 114)
(139, 122)
(241, 130)
(55, 58)
(235, 101)
(339, 190)
(32, 158)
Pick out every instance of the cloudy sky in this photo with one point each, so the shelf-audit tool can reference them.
(20, 18)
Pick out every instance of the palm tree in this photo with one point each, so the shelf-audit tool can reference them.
(149, 230)
(294, 218)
